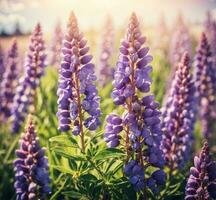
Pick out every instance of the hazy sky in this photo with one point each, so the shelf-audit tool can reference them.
(91, 13)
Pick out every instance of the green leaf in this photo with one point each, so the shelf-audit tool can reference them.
(11, 149)
(73, 194)
(63, 169)
(68, 152)
(109, 153)
(88, 178)
(58, 191)
(64, 140)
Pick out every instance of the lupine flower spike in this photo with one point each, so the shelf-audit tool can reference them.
(34, 69)
(78, 101)
(205, 81)
(179, 117)
(9, 82)
(106, 71)
(201, 183)
(140, 124)
(56, 45)
(31, 167)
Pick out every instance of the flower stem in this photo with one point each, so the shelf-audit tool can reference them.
(82, 136)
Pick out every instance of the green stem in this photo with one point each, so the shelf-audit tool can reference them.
(96, 168)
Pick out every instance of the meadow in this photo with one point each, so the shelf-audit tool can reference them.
(139, 124)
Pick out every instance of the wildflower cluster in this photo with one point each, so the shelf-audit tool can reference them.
(141, 119)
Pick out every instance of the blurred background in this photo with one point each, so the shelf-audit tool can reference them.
(23, 14)
(18, 17)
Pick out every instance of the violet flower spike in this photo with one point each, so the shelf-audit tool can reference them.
(77, 93)
(9, 82)
(205, 81)
(179, 117)
(140, 123)
(201, 183)
(105, 69)
(31, 167)
(35, 63)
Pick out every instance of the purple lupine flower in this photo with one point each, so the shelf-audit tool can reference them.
(205, 81)
(9, 82)
(31, 167)
(105, 69)
(113, 128)
(141, 120)
(77, 93)
(56, 45)
(201, 183)
(179, 117)
(2, 64)
(34, 69)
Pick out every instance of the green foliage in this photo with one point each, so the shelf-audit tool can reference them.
(95, 174)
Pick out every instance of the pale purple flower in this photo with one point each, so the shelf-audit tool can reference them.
(35, 63)
(9, 82)
(179, 117)
(205, 84)
(105, 69)
(56, 45)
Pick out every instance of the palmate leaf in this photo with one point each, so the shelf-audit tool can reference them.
(88, 178)
(64, 140)
(54, 196)
(74, 194)
(68, 152)
(63, 169)
(109, 153)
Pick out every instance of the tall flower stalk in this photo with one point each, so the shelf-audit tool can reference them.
(205, 81)
(25, 98)
(201, 183)
(138, 130)
(9, 82)
(78, 100)
(105, 68)
(179, 117)
(56, 45)
(31, 167)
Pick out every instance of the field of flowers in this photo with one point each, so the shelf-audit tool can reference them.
(134, 121)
